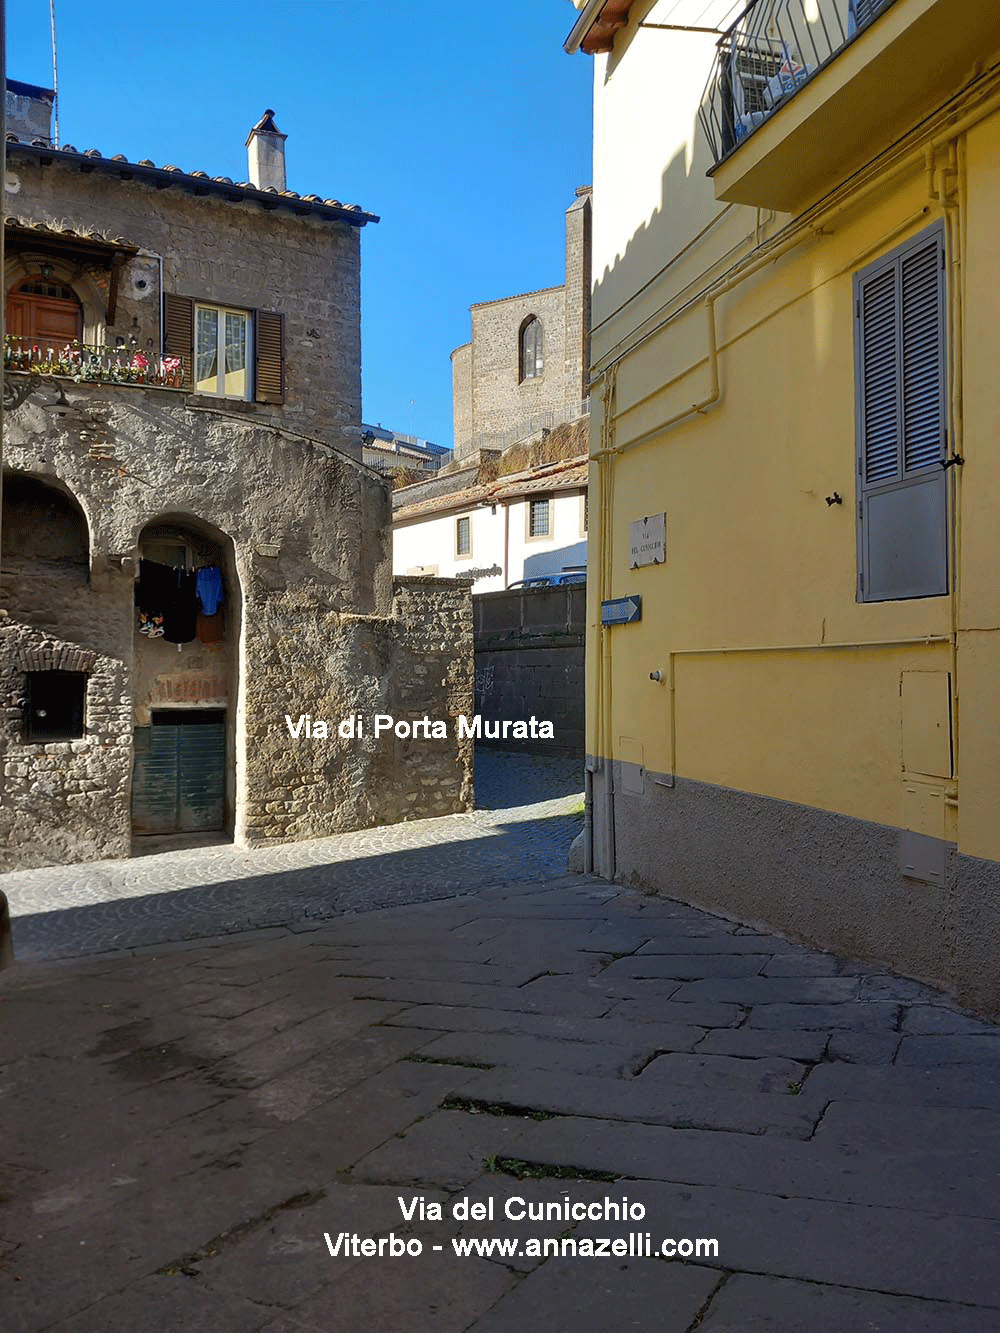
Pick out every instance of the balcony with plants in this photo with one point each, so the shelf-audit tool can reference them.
(125, 363)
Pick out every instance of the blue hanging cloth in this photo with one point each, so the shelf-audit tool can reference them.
(210, 590)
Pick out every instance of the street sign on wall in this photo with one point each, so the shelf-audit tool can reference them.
(621, 610)
(647, 541)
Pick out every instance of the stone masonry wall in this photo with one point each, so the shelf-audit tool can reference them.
(322, 631)
(225, 253)
(499, 401)
(488, 395)
(461, 389)
(413, 663)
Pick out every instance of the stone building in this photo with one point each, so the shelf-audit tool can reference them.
(527, 363)
(183, 392)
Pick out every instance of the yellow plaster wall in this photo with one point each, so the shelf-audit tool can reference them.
(755, 558)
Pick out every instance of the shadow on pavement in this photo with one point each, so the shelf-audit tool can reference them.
(525, 850)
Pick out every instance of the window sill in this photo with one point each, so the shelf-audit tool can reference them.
(210, 400)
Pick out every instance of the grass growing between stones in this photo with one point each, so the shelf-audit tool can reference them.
(186, 1264)
(417, 1059)
(473, 1106)
(523, 1170)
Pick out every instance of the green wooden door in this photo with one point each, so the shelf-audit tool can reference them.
(179, 774)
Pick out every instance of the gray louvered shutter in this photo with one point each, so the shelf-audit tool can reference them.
(269, 344)
(902, 379)
(178, 332)
(865, 10)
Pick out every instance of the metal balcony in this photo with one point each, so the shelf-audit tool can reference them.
(774, 48)
(90, 363)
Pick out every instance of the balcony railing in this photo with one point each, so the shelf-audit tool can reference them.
(86, 362)
(772, 50)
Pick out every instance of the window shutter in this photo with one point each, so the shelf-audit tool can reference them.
(902, 380)
(269, 342)
(178, 331)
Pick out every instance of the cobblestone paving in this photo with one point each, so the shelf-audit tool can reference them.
(521, 829)
(180, 1128)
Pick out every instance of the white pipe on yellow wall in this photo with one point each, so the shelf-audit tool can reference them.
(951, 137)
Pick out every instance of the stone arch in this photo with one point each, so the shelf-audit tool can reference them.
(44, 527)
(188, 679)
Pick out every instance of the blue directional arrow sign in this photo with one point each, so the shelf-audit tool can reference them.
(622, 610)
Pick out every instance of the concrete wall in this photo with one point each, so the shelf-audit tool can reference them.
(529, 662)
(783, 699)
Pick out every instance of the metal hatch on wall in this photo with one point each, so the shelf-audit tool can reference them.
(179, 775)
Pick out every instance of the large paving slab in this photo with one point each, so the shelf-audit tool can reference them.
(184, 1125)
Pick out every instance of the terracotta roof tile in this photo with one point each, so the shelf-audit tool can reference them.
(566, 475)
(310, 203)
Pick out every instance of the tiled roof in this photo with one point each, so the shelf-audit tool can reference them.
(196, 182)
(567, 475)
(51, 231)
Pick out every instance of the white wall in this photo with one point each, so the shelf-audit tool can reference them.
(566, 546)
(428, 546)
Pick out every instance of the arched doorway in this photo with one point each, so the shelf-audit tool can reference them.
(45, 311)
(186, 640)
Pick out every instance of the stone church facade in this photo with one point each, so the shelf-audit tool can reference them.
(183, 411)
(527, 363)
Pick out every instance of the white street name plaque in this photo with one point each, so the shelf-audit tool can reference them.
(647, 541)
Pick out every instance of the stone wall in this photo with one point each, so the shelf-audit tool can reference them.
(461, 389)
(489, 397)
(225, 253)
(529, 646)
(319, 628)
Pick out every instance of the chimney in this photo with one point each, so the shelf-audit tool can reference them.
(29, 111)
(266, 154)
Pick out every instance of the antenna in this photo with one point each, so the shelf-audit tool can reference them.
(55, 76)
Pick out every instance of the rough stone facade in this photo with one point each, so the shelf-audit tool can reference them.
(271, 494)
(491, 400)
(238, 255)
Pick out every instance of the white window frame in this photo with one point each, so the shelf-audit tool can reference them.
(220, 311)
(550, 524)
(459, 553)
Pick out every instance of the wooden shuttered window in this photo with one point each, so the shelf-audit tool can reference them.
(178, 332)
(901, 363)
(268, 346)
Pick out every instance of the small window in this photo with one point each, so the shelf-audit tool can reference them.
(222, 351)
(585, 513)
(532, 360)
(539, 518)
(463, 536)
(55, 705)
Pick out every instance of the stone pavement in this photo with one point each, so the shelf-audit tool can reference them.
(183, 1127)
(529, 811)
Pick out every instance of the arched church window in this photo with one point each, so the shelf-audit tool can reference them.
(532, 359)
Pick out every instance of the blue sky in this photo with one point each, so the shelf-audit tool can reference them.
(461, 123)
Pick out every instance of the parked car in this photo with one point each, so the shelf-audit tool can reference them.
(551, 580)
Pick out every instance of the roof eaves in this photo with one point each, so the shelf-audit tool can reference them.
(594, 31)
(195, 182)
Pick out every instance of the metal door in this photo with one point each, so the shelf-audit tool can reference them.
(179, 774)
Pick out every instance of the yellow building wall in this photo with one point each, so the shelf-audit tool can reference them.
(775, 679)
